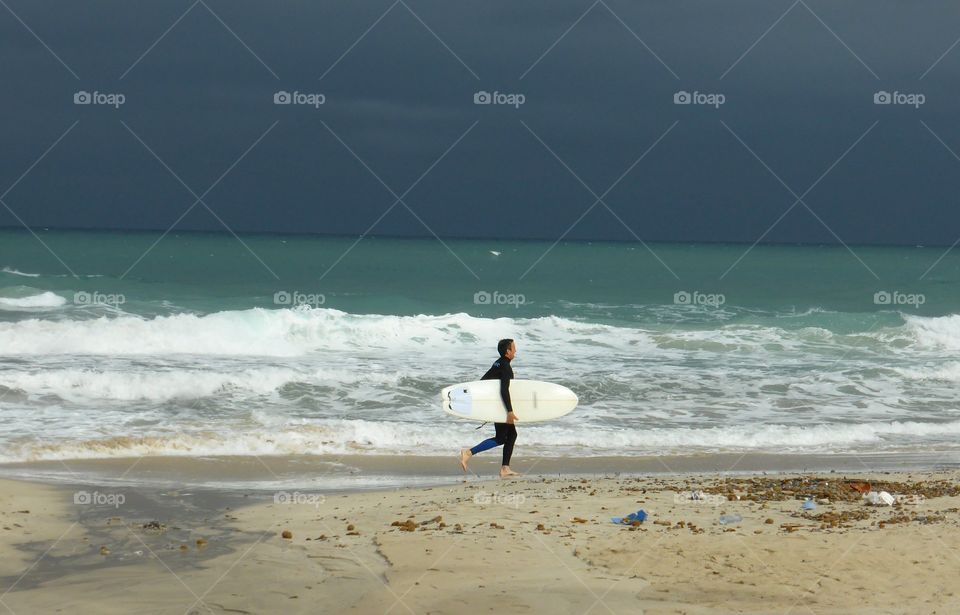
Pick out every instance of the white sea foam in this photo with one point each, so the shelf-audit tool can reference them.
(91, 385)
(87, 384)
(293, 332)
(285, 332)
(936, 332)
(371, 437)
(13, 271)
(45, 299)
(274, 382)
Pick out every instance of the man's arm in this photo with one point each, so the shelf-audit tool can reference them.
(505, 392)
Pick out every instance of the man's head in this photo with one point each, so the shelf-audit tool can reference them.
(507, 348)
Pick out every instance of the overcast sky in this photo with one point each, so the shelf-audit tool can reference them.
(795, 118)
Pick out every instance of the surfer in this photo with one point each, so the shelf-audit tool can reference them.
(505, 433)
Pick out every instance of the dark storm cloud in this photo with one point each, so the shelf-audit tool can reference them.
(798, 111)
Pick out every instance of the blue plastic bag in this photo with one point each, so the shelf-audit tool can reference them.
(640, 515)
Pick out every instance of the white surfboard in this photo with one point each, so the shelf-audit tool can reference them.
(533, 401)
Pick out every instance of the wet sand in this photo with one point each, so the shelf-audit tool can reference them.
(352, 472)
(529, 545)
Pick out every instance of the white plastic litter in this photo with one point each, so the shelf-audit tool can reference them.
(879, 499)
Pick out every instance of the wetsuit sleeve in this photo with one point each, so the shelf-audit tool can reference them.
(505, 377)
(505, 393)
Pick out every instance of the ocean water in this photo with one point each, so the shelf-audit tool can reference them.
(126, 344)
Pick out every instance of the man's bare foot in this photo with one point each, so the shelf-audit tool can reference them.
(505, 471)
(465, 454)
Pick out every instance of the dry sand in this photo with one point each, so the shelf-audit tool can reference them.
(530, 545)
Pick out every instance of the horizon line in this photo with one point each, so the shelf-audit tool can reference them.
(302, 234)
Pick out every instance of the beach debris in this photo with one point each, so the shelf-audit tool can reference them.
(286, 534)
(540, 527)
(154, 526)
(912, 499)
(774, 489)
(495, 525)
(808, 504)
(768, 521)
(405, 526)
(350, 527)
(699, 494)
(905, 518)
(437, 519)
(730, 519)
(104, 550)
(832, 519)
(633, 518)
(184, 548)
(881, 498)
(201, 543)
(860, 487)
(578, 520)
(790, 527)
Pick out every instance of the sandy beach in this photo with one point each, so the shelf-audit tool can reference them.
(679, 280)
(530, 545)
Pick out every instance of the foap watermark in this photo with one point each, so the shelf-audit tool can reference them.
(899, 98)
(311, 99)
(699, 497)
(98, 298)
(96, 498)
(295, 298)
(886, 297)
(299, 498)
(484, 97)
(483, 297)
(710, 99)
(485, 498)
(108, 99)
(696, 297)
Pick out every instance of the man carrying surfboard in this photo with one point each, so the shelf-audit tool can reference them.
(505, 433)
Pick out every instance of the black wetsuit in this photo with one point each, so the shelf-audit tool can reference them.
(505, 433)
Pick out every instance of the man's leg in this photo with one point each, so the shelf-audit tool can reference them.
(510, 436)
(487, 444)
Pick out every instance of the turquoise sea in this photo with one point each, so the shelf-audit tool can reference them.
(126, 343)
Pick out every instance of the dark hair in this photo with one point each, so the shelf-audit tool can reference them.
(504, 345)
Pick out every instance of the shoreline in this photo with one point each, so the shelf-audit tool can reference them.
(365, 472)
(487, 543)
